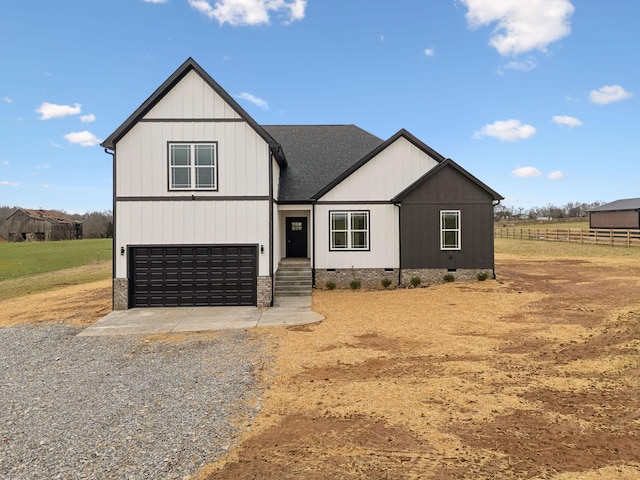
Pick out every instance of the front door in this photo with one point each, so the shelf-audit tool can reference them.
(296, 237)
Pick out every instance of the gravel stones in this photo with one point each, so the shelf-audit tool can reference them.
(121, 407)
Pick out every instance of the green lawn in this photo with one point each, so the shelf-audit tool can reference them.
(32, 258)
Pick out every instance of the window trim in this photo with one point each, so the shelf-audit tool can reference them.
(349, 231)
(457, 230)
(192, 167)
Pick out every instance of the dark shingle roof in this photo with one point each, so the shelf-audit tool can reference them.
(624, 204)
(316, 155)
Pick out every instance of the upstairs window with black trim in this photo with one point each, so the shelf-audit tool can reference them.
(450, 229)
(349, 230)
(193, 166)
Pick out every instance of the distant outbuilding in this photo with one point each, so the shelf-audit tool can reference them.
(41, 225)
(623, 214)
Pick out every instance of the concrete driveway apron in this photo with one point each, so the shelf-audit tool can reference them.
(287, 311)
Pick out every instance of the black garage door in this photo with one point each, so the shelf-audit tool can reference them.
(195, 275)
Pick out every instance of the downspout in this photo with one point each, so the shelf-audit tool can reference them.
(271, 158)
(493, 239)
(313, 243)
(399, 243)
(113, 215)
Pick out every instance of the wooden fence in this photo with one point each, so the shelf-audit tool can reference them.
(594, 236)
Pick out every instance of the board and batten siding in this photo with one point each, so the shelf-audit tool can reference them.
(420, 223)
(143, 163)
(192, 223)
(383, 238)
(385, 175)
(421, 237)
(192, 98)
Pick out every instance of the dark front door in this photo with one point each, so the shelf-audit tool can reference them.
(296, 237)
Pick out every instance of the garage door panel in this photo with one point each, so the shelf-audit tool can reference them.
(203, 275)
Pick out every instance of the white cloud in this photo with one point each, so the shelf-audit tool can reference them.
(526, 172)
(506, 130)
(522, 65)
(522, 25)
(253, 99)
(609, 94)
(44, 185)
(155, 1)
(6, 162)
(6, 100)
(566, 120)
(51, 110)
(557, 175)
(250, 12)
(84, 138)
(429, 52)
(8, 184)
(88, 118)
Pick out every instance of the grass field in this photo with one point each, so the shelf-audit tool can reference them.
(30, 258)
(35, 267)
(536, 248)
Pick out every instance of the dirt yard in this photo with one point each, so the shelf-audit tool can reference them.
(535, 375)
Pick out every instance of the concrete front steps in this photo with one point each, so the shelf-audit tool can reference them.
(293, 278)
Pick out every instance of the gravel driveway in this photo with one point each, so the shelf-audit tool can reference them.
(121, 407)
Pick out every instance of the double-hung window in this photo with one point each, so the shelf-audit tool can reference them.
(193, 166)
(349, 230)
(450, 229)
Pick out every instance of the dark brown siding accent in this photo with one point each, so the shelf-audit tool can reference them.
(420, 223)
(629, 219)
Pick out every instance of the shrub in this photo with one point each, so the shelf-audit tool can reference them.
(449, 277)
(482, 276)
(415, 281)
(330, 285)
(355, 284)
(385, 282)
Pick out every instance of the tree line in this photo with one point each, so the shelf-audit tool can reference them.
(550, 212)
(94, 224)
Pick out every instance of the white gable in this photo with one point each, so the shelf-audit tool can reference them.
(192, 98)
(384, 176)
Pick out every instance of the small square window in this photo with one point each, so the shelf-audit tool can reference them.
(193, 166)
(349, 230)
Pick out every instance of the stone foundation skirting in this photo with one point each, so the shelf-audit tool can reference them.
(264, 291)
(372, 277)
(436, 275)
(369, 277)
(120, 294)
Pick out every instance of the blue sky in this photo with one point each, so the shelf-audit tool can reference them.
(537, 98)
